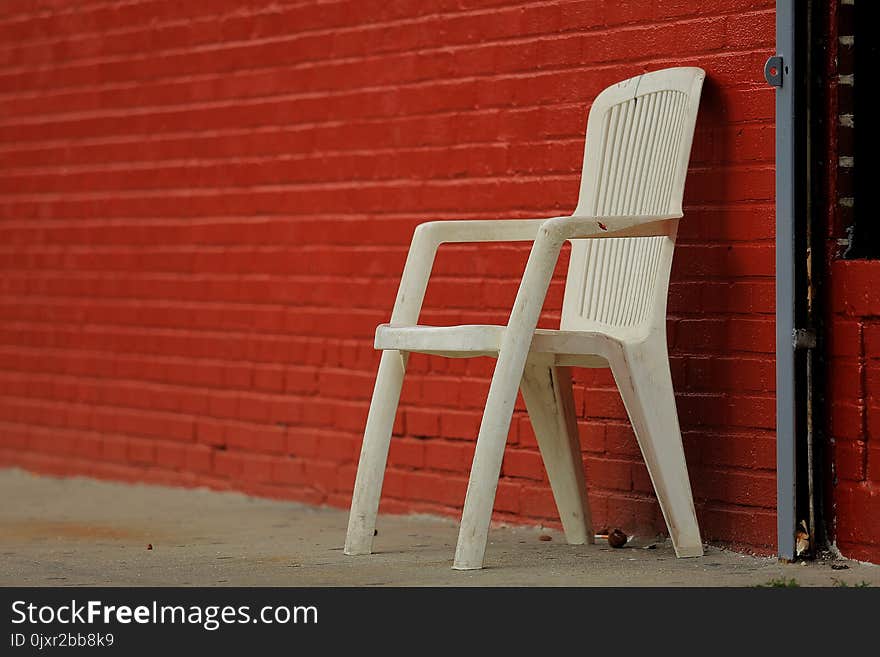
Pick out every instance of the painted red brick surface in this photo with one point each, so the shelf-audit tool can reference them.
(852, 316)
(854, 407)
(205, 209)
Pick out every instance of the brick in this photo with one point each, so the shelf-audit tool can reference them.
(198, 458)
(141, 452)
(871, 332)
(620, 439)
(288, 471)
(847, 421)
(634, 514)
(422, 423)
(715, 373)
(873, 420)
(592, 436)
(463, 424)
(854, 286)
(229, 465)
(738, 526)
(846, 375)
(430, 487)
(269, 379)
(846, 339)
(609, 474)
(170, 455)
(407, 452)
(858, 506)
(741, 488)
(453, 456)
(537, 502)
(850, 459)
(523, 463)
(753, 451)
(211, 432)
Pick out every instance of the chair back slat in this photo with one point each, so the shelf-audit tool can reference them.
(636, 155)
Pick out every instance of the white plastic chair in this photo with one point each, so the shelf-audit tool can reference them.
(623, 233)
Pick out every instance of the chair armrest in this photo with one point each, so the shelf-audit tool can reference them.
(583, 227)
(549, 233)
(525, 230)
(430, 235)
(492, 230)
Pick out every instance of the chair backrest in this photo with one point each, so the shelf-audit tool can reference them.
(638, 144)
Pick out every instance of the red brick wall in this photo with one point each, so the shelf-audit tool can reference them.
(206, 207)
(854, 418)
(853, 319)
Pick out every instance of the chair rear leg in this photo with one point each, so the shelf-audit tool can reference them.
(374, 453)
(643, 378)
(547, 392)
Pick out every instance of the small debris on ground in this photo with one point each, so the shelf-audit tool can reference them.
(545, 537)
(149, 546)
(839, 566)
(375, 532)
(803, 538)
(617, 539)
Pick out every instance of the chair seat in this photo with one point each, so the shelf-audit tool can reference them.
(581, 348)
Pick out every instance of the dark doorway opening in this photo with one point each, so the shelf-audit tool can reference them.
(865, 227)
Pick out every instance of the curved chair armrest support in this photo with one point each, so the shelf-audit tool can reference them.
(427, 239)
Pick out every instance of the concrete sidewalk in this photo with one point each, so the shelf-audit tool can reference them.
(74, 532)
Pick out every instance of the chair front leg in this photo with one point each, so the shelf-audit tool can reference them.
(374, 453)
(486, 468)
(512, 355)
